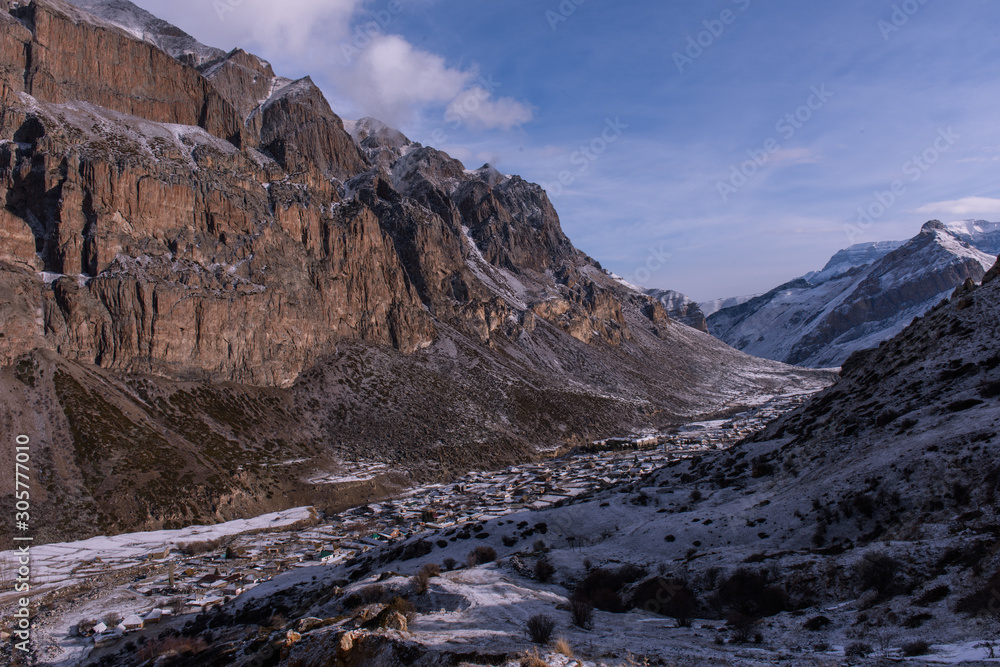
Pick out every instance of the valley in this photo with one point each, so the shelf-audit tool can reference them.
(191, 571)
(297, 390)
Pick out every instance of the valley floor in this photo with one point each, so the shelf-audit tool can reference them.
(129, 574)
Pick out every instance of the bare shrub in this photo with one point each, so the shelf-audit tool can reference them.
(540, 628)
(182, 645)
(858, 650)
(562, 646)
(879, 572)
(481, 556)
(421, 582)
(913, 649)
(533, 659)
(404, 607)
(583, 614)
(544, 570)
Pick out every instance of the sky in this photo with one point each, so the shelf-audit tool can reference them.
(713, 147)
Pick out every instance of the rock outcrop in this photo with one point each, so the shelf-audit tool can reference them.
(681, 308)
(190, 221)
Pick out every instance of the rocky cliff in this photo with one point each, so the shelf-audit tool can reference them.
(179, 218)
(681, 308)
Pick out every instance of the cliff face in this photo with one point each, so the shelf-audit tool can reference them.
(198, 219)
(681, 308)
(74, 56)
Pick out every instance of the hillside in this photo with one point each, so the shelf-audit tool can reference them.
(217, 289)
(865, 294)
(863, 523)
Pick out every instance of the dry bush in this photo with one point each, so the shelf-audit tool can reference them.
(913, 649)
(404, 607)
(533, 659)
(432, 569)
(858, 650)
(562, 646)
(481, 556)
(421, 582)
(540, 628)
(372, 594)
(182, 645)
(583, 614)
(544, 570)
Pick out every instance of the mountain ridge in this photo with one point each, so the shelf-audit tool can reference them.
(220, 233)
(864, 295)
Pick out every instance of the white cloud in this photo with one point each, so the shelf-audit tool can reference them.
(291, 26)
(477, 108)
(794, 156)
(390, 78)
(967, 207)
(348, 46)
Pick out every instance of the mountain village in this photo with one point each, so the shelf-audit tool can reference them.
(181, 577)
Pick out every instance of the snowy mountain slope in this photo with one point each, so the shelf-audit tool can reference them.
(864, 522)
(820, 319)
(149, 28)
(861, 254)
(681, 308)
(715, 305)
(979, 233)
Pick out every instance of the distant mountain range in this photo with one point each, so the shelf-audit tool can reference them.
(864, 295)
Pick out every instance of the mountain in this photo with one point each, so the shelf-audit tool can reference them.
(858, 255)
(149, 28)
(217, 290)
(681, 308)
(715, 305)
(863, 523)
(979, 233)
(865, 294)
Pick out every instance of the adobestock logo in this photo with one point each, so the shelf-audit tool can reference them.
(787, 127)
(703, 40)
(562, 13)
(901, 15)
(656, 260)
(365, 34)
(587, 154)
(914, 169)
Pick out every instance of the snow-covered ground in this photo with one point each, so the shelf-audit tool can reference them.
(62, 563)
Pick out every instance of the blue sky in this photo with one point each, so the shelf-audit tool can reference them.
(717, 169)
